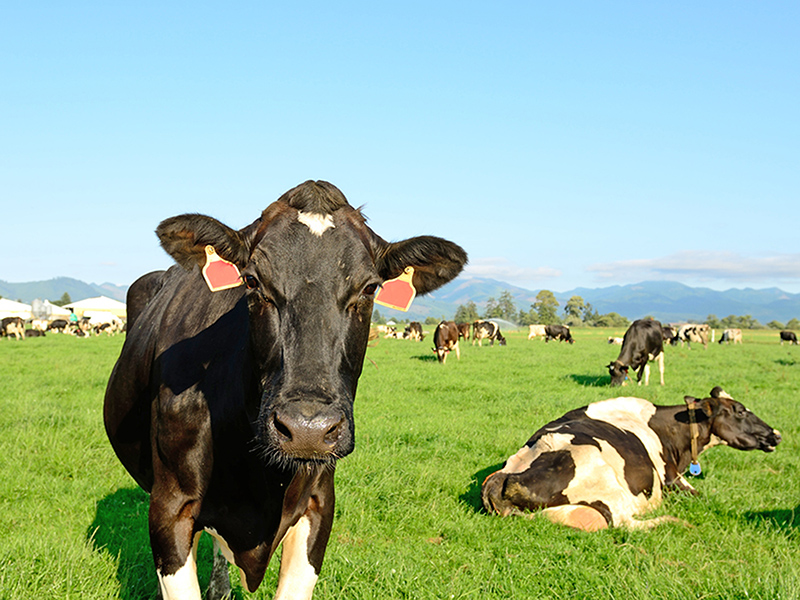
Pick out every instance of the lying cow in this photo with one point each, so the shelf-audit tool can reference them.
(487, 330)
(558, 332)
(617, 341)
(788, 336)
(12, 326)
(642, 343)
(34, 333)
(604, 464)
(731, 335)
(535, 331)
(445, 340)
(232, 398)
(58, 326)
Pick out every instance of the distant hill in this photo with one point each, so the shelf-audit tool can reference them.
(665, 300)
(54, 289)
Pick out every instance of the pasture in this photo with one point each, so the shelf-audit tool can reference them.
(408, 518)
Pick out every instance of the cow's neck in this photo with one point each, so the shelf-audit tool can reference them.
(672, 425)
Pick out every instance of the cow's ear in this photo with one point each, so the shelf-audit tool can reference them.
(435, 260)
(718, 392)
(709, 406)
(185, 238)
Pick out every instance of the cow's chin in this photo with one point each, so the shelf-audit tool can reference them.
(275, 457)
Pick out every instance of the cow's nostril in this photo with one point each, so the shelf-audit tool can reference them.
(333, 433)
(281, 428)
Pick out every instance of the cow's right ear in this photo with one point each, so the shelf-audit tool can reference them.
(185, 238)
(435, 260)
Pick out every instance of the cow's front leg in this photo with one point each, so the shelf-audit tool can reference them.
(174, 551)
(304, 545)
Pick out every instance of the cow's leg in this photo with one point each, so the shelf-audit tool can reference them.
(660, 361)
(219, 586)
(580, 517)
(458, 352)
(176, 566)
(304, 545)
(646, 374)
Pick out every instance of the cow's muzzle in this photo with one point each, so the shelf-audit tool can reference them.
(309, 431)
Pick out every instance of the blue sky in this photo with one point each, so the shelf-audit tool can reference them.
(562, 144)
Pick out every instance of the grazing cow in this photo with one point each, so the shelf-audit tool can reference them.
(788, 336)
(641, 344)
(13, 326)
(59, 326)
(601, 465)
(558, 332)
(445, 340)
(231, 407)
(463, 330)
(487, 330)
(731, 335)
(691, 332)
(617, 341)
(414, 332)
(536, 331)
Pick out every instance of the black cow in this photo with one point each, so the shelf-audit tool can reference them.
(232, 407)
(788, 336)
(59, 325)
(642, 343)
(558, 332)
(603, 464)
(487, 330)
(445, 340)
(668, 334)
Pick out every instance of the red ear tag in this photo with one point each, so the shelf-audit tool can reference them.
(219, 273)
(398, 293)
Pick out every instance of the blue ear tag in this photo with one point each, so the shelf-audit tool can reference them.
(694, 469)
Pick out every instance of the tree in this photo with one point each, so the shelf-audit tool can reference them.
(775, 325)
(63, 301)
(492, 309)
(432, 321)
(466, 313)
(713, 322)
(590, 315)
(793, 324)
(506, 306)
(611, 319)
(545, 307)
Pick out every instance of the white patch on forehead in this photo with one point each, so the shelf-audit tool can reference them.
(316, 223)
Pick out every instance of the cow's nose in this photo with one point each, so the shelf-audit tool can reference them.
(307, 434)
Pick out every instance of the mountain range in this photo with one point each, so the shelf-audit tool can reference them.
(667, 301)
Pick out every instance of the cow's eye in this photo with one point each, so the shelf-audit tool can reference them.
(250, 282)
(370, 289)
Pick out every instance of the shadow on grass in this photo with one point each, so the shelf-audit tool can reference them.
(786, 362)
(787, 520)
(591, 380)
(472, 497)
(120, 529)
(426, 357)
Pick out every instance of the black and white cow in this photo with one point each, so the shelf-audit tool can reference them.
(558, 332)
(445, 340)
(691, 332)
(602, 465)
(487, 330)
(12, 326)
(642, 343)
(232, 407)
(731, 336)
(788, 336)
(58, 325)
(414, 332)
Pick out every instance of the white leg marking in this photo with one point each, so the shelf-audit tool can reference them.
(183, 584)
(297, 577)
(317, 223)
(660, 361)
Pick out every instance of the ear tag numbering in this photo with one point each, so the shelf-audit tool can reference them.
(219, 273)
(398, 293)
(694, 469)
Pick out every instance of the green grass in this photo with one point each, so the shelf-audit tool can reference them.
(408, 519)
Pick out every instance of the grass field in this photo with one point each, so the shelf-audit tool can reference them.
(408, 517)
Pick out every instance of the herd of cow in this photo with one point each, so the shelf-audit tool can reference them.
(231, 404)
(17, 328)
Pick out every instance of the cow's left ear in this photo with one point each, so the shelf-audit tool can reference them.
(435, 260)
(185, 238)
(708, 405)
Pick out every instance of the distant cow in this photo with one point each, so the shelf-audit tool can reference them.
(788, 336)
(445, 340)
(487, 330)
(59, 326)
(668, 333)
(731, 335)
(642, 343)
(414, 332)
(617, 341)
(232, 399)
(691, 332)
(535, 331)
(602, 465)
(558, 332)
(463, 330)
(12, 326)
(34, 333)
